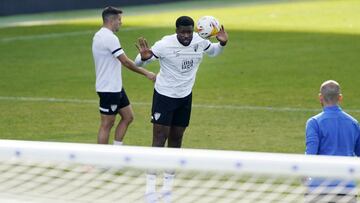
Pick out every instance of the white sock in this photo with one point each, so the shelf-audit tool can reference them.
(117, 142)
(168, 181)
(150, 183)
(166, 190)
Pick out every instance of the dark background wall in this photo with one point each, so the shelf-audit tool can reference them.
(12, 7)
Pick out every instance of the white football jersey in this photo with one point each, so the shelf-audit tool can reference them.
(106, 48)
(178, 64)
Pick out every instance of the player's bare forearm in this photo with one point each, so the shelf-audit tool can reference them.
(128, 63)
(131, 66)
(141, 70)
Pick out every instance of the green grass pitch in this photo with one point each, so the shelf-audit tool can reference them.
(256, 96)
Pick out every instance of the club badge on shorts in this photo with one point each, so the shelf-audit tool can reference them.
(157, 116)
(113, 107)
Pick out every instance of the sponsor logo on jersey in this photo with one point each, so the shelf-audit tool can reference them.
(187, 64)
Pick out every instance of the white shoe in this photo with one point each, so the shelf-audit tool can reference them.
(166, 196)
(152, 197)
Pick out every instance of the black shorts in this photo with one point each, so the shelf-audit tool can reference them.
(112, 102)
(171, 111)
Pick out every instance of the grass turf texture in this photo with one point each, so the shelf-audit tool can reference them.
(277, 56)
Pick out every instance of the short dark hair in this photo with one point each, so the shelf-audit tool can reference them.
(110, 11)
(184, 21)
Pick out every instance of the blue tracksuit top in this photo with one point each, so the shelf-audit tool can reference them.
(332, 132)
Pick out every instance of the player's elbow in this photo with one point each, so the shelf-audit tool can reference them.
(128, 64)
(124, 60)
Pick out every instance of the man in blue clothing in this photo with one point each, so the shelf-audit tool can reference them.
(332, 132)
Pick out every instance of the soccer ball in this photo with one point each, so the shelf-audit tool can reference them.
(207, 26)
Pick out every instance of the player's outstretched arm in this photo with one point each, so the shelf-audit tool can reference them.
(222, 36)
(133, 67)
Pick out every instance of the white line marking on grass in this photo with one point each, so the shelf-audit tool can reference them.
(201, 106)
(46, 36)
(59, 100)
(58, 35)
(42, 99)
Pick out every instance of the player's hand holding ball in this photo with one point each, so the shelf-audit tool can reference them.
(209, 26)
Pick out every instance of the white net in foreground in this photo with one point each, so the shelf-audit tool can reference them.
(75, 173)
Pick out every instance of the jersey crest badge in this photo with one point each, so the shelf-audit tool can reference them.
(196, 47)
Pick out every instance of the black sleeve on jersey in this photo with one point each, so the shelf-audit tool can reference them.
(116, 50)
(155, 56)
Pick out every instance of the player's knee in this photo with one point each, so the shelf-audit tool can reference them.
(128, 119)
(131, 118)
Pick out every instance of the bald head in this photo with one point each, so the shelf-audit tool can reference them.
(330, 91)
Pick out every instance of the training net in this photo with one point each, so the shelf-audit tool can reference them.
(35, 172)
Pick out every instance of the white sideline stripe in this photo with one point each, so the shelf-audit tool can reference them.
(204, 106)
(57, 35)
